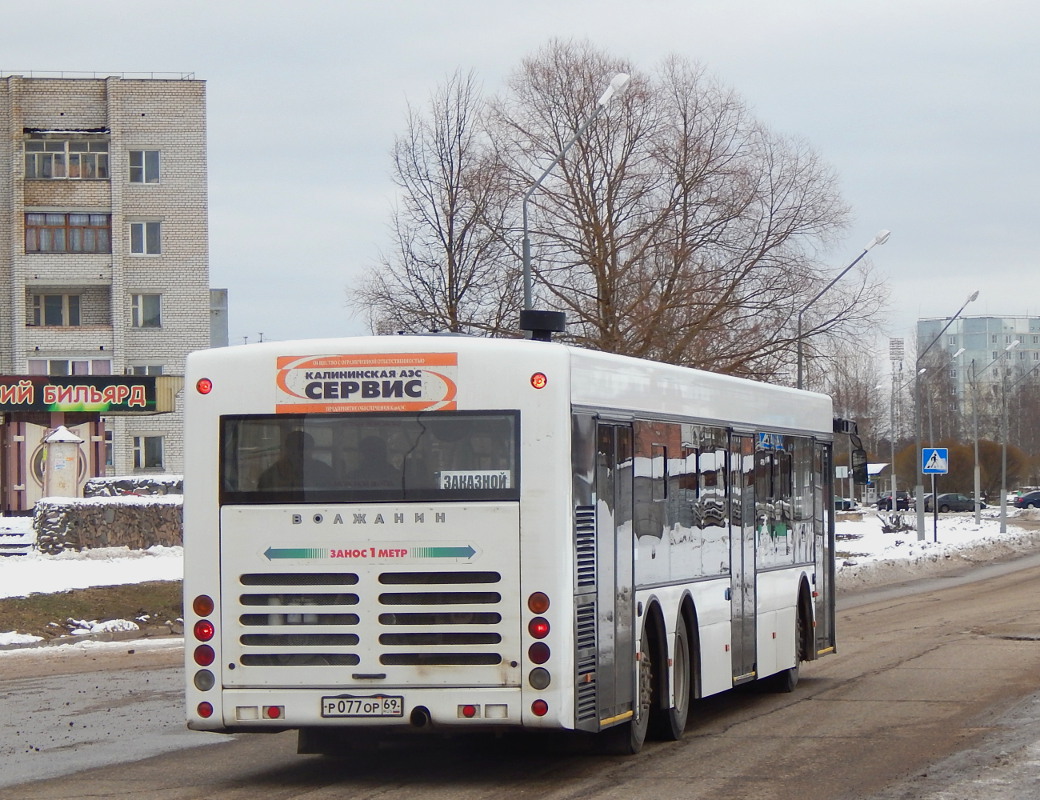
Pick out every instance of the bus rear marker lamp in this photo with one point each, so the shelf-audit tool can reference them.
(538, 380)
(538, 602)
(538, 627)
(204, 630)
(539, 708)
(204, 655)
(204, 386)
(273, 712)
(538, 652)
(469, 711)
(539, 678)
(204, 680)
(205, 710)
(202, 605)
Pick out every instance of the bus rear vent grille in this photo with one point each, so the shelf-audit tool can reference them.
(440, 619)
(585, 545)
(585, 659)
(423, 619)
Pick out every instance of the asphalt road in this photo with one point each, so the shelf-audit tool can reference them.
(932, 695)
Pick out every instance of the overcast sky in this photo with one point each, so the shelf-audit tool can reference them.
(927, 110)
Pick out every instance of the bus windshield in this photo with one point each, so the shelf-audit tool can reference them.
(347, 458)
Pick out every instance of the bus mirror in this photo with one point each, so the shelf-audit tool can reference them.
(859, 467)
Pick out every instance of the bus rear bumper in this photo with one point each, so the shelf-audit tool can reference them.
(282, 709)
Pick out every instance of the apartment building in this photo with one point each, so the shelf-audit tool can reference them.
(988, 350)
(104, 258)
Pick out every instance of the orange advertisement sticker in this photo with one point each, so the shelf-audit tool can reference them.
(367, 382)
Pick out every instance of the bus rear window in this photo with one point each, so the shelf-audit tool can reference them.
(348, 458)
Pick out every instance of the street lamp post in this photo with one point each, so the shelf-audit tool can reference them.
(531, 320)
(975, 422)
(919, 489)
(880, 238)
(1003, 449)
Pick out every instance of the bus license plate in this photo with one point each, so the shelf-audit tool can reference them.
(348, 706)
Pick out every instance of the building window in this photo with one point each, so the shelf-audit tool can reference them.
(144, 166)
(69, 366)
(148, 452)
(66, 159)
(145, 311)
(68, 233)
(145, 369)
(145, 239)
(952, 341)
(109, 448)
(55, 310)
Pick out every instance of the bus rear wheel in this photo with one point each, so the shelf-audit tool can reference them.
(670, 724)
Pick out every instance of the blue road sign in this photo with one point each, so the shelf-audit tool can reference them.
(935, 460)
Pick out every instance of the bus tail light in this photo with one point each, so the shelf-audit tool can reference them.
(204, 710)
(204, 655)
(538, 628)
(204, 386)
(204, 630)
(539, 708)
(538, 652)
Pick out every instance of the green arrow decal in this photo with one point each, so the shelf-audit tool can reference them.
(443, 552)
(295, 552)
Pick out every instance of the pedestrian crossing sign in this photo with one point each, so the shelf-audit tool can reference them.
(935, 460)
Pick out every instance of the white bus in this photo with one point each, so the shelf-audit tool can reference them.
(461, 534)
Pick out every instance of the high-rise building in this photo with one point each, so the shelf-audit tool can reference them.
(104, 256)
(983, 349)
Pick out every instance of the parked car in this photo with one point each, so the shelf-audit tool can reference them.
(952, 501)
(1028, 500)
(884, 502)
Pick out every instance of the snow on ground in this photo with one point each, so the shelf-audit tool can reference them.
(866, 556)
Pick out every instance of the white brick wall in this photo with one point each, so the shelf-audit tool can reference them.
(140, 114)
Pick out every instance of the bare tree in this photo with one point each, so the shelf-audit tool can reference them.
(681, 229)
(676, 228)
(450, 269)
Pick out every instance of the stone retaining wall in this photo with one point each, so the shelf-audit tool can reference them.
(134, 522)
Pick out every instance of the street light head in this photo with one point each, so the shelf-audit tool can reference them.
(957, 353)
(618, 85)
(974, 296)
(880, 238)
(1013, 345)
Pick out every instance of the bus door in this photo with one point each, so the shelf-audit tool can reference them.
(615, 549)
(823, 541)
(742, 557)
